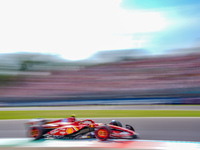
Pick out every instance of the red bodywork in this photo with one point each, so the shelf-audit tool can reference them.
(68, 126)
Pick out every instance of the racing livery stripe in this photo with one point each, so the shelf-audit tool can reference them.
(75, 128)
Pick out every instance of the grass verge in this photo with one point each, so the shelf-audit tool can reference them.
(96, 113)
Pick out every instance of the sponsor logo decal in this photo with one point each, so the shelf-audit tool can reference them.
(69, 130)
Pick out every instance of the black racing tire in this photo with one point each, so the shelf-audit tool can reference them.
(116, 123)
(102, 133)
(35, 132)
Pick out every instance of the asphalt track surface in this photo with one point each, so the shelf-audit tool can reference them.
(171, 129)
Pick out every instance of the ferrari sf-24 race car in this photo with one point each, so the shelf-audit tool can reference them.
(69, 128)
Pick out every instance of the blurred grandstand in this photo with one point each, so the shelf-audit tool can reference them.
(163, 77)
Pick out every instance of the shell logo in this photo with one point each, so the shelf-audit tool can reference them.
(69, 130)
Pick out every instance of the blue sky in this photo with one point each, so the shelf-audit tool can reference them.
(183, 15)
(77, 29)
(155, 4)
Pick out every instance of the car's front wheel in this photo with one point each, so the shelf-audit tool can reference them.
(102, 133)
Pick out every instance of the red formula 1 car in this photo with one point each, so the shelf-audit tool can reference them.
(69, 128)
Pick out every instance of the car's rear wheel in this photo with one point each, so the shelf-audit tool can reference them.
(102, 133)
(35, 132)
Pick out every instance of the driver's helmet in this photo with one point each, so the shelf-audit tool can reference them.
(73, 115)
(72, 118)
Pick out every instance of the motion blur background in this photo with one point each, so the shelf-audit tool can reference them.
(143, 51)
